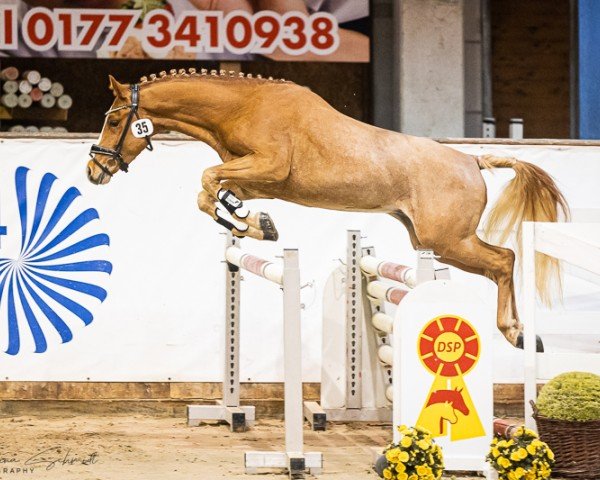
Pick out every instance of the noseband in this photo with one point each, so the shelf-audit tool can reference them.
(115, 153)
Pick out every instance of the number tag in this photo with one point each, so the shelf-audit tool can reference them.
(142, 128)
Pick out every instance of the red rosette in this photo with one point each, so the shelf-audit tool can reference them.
(448, 346)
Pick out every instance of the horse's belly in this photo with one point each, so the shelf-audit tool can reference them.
(358, 190)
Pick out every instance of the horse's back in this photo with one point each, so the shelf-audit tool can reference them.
(341, 163)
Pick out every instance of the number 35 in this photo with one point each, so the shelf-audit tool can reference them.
(142, 128)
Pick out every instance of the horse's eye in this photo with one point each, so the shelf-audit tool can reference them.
(113, 123)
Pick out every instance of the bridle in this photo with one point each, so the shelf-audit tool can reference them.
(115, 153)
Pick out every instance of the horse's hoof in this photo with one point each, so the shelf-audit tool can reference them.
(539, 345)
(268, 227)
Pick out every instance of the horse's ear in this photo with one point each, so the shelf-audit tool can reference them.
(117, 88)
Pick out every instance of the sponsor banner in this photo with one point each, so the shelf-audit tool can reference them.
(182, 29)
(125, 282)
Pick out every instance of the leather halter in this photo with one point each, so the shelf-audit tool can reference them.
(115, 153)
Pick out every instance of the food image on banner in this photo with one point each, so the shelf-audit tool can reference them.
(313, 30)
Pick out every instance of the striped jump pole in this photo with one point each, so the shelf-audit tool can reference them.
(392, 271)
(374, 267)
(385, 291)
(256, 265)
(378, 292)
(410, 277)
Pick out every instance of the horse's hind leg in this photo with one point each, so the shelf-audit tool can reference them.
(475, 256)
(498, 264)
(508, 316)
(414, 240)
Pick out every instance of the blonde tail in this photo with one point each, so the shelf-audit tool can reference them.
(532, 196)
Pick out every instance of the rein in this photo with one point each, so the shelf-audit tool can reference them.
(115, 153)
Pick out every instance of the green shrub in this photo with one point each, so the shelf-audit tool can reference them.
(573, 396)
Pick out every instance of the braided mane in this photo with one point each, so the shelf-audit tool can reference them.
(192, 73)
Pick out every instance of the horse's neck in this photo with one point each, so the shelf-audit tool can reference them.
(195, 107)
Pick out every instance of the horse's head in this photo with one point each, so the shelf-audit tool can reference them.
(459, 402)
(124, 135)
(452, 398)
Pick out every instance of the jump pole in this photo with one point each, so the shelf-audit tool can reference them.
(228, 409)
(294, 459)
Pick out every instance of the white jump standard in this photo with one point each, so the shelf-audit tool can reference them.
(352, 382)
(228, 409)
(294, 459)
(357, 376)
(429, 363)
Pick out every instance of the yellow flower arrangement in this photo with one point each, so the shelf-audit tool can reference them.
(523, 457)
(414, 457)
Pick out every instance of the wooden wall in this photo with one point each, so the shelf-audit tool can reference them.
(530, 66)
(170, 399)
(345, 85)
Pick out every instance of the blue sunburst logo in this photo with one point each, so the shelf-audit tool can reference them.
(56, 274)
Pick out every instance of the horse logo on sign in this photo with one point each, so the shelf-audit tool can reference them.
(52, 269)
(449, 347)
(445, 404)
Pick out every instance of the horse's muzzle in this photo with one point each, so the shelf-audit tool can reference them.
(96, 175)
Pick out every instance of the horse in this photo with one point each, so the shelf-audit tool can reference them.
(445, 403)
(277, 139)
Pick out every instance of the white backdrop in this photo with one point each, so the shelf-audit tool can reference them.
(163, 316)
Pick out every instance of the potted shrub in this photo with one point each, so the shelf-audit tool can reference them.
(567, 414)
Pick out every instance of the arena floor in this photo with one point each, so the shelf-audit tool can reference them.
(107, 448)
(94, 447)
(166, 448)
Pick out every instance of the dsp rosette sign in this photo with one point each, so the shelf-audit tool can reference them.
(177, 30)
(442, 345)
(449, 347)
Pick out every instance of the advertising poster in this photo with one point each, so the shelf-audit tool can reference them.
(280, 30)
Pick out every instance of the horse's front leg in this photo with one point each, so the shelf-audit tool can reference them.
(259, 220)
(208, 205)
(222, 182)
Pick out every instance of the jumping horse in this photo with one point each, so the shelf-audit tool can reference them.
(280, 140)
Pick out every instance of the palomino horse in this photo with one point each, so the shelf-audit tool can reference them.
(280, 140)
